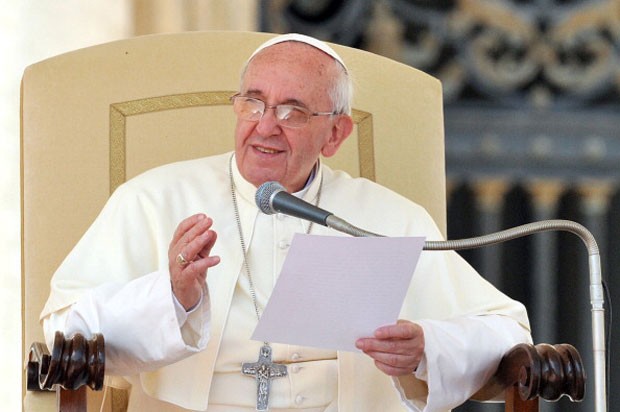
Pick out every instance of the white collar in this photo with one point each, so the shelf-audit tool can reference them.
(247, 190)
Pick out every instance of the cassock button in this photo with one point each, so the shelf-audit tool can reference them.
(295, 368)
(299, 399)
(283, 244)
(295, 356)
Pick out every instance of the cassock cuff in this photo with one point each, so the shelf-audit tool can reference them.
(181, 312)
(194, 323)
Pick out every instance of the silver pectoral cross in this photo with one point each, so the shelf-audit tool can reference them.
(264, 371)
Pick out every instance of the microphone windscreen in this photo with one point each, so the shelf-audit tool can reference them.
(264, 195)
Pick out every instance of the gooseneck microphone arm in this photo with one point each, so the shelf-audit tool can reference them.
(272, 198)
(334, 222)
(596, 284)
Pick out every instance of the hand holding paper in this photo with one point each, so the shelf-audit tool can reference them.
(397, 349)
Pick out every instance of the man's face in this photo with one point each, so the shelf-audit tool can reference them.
(288, 73)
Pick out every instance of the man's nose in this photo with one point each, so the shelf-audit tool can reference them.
(268, 123)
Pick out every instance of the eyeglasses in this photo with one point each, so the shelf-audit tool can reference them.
(288, 115)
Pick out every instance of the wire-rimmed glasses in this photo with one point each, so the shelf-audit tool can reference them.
(288, 115)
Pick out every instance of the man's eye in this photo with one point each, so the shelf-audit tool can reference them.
(286, 113)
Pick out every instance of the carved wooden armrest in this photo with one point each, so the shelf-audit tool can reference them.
(525, 373)
(542, 371)
(73, 363)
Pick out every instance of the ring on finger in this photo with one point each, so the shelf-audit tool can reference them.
(181, 261)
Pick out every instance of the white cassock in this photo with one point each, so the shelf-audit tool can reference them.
(116, 282)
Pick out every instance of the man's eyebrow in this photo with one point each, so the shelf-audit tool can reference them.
(253, 93)
(259, 94)
(294, 102)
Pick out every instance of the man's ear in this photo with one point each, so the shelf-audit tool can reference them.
(342, 128)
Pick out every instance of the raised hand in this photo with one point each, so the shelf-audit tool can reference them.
(189, 257)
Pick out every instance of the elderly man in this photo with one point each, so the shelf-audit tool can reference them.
(177, 302)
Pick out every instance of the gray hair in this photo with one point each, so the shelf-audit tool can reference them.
(341, 93)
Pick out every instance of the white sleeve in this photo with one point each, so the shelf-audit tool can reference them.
(191, 321)
(460, 356)
(139, 323)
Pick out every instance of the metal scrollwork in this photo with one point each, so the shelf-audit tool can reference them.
(537, 53)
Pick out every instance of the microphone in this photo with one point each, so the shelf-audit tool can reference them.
(271, 198)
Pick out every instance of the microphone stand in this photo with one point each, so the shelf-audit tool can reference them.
(596, 283)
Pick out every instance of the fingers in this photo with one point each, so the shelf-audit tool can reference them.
(190, 237)
(185, 225)
(192, 241)
(396, 370)
(396, 349)
(199, 246)
(396, 364)
(207, 241)
(403, 329)
(395, 338)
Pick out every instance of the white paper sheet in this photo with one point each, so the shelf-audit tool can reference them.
(333, 290)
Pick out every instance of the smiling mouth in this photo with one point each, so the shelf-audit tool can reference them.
(266, 150)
